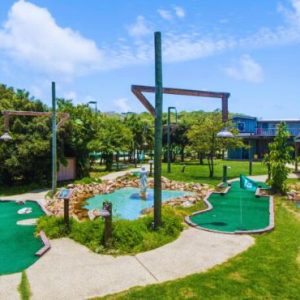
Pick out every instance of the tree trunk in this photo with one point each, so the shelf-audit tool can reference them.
(109, 157)
(210, 161)
(200, 156)
(182, 154)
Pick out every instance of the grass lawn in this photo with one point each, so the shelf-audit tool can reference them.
(196, 173)
(268, 270)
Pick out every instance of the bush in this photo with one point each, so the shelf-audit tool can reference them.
(54, 227)
(129, 237)
(87, 180)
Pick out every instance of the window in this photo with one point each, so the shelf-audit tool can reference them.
(241, 126)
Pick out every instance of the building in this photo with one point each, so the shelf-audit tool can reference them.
(258, 134)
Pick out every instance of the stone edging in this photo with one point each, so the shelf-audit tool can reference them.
(82, 192)
(210, 207)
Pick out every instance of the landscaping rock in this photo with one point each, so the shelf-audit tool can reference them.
(81, 192)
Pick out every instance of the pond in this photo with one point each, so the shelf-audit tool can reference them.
(126, 203)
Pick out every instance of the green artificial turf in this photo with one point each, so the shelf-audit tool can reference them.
(268, 270)
(200, 173)
(237, 210)
(18, 244)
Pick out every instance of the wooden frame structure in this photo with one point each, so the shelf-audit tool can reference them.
(138, 91)
(8, 113)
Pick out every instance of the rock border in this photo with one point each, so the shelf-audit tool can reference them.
(82, 192)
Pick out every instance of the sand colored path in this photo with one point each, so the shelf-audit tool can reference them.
(71, 271)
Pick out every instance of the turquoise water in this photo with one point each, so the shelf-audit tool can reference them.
(126, 203)
(298, 204)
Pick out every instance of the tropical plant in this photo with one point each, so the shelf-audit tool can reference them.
(278, 158)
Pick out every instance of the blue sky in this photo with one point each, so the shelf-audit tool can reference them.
(95, 50)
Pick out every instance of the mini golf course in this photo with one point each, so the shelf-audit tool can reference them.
(237, 211)
(18, 243)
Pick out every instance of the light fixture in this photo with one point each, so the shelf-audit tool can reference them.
(225, 133)
(6, 137)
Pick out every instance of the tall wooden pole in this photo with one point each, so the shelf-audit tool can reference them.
(169, 139)
(54, 150)
(158, 130)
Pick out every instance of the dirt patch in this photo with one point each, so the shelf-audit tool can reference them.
(236, 276)
(187, 293)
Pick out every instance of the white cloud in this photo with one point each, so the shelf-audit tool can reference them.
(165, 14)
(139, 28)
(122, 105)
(188, 47)
(179, 11)
(70, 95)
(31, 35)
(246, 69)
(32, 38)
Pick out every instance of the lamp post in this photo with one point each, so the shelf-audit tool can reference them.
(54, 141)
(250, 157)
(169, 135)
(95, 103)
(225, 134)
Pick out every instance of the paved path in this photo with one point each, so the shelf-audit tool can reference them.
(263, 178)
(114, 175)
(9, 286)
(38, 195)
(70, 271)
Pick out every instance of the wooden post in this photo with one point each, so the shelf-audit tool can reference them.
(158, 130)
(225, 174)
(107, 224)
(66, 213)
(225, 107)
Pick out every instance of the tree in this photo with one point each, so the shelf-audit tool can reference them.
(27, 158)
(111, 137)
(141, 127)
(77, 132)
(203, 138)
(279, 156)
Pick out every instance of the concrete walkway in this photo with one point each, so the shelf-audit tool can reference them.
(115, 175)
(71, 271)
(263, 178)
(38, 195)
(9, 286)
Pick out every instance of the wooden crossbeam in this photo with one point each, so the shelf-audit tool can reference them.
(8, 113)
(138, 91)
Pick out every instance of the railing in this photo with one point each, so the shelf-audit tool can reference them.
(273, 131)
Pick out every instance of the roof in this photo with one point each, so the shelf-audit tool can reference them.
(280, 120)
(244, 117)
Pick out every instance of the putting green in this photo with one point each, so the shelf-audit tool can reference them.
(238, 210)
(18, 243)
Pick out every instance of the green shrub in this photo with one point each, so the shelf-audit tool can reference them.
(88, 180)
(128, 237)
(54, 227)
(24, 287)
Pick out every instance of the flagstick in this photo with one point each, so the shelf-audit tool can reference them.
(241, 212)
